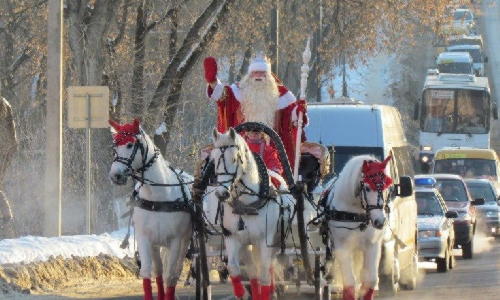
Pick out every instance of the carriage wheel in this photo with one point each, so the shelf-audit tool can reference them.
(280, 292)
(197, 277)
(318, 289)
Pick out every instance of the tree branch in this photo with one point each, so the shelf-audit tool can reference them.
(20, 60)
(20, 14)
(122, 25)
(175, 92)
(192, 39)
(166, 16)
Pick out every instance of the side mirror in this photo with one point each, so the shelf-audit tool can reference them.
(485, 59)
(478, 201)
(405, 186)
(451, 214)
(415, 111)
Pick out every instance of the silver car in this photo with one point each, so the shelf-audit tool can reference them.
(436, 235)
(489, 213)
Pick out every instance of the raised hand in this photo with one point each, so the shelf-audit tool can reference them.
(210, 66)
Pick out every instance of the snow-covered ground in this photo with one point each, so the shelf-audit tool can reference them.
(34, 248)
(366, 82)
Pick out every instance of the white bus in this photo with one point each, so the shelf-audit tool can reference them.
(454, 111)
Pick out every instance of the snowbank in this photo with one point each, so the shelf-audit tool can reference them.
(36, 249)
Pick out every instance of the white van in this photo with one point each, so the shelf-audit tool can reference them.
(478, 57)
(465, 40)
(455, 63)
(354, 129)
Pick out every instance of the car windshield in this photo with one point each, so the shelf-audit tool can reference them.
(482, 190)
(467, 167)
(428, 204)
(474, 53)
(455, 68)
(460, 15)
(452, 190)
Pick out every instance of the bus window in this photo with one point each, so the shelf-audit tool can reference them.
(439, 107)
(472, 115)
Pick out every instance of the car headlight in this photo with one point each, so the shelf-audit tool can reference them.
(425, 159)
(428, 233)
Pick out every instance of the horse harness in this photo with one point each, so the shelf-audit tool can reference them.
(263, 195)
(363, 218)
(179, 204)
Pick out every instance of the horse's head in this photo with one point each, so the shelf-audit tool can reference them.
(230, 157)
(128, 140)
(373, 183)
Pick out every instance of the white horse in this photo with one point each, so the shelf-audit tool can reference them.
(239, 186)
(356, 214)
(161, 215)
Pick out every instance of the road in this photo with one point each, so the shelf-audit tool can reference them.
(476, 279)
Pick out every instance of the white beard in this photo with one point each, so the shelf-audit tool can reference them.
(259, 99)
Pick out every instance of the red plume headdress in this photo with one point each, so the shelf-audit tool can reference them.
(374, 174)
(125, 133)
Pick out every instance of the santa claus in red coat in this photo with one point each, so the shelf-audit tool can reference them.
(259, 97)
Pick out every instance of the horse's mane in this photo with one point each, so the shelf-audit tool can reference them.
(152, 146)
(349, 178)
(248, 160)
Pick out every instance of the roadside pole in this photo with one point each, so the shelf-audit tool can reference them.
(88, 107)
(53, 126)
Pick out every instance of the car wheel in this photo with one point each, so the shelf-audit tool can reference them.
(467, 249)
(443, 263)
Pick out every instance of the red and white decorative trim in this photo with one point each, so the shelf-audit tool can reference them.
(286, 99)
(218, 91)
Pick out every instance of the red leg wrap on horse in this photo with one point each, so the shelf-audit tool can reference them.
(369, 295)
(170, 294)
(255, 288)
(238, 288)
(148, 290)
(265, 292)
(159, 286)
(348, 293)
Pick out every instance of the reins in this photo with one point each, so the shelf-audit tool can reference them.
(362, 218)
(146, 164)
(263, 194)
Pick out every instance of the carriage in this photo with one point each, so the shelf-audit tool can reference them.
(300, 240)
(279, 223)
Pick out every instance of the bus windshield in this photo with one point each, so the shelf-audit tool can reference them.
(455, 111)
(467, 167)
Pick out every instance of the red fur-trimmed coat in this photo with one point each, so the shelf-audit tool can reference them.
(229, 113)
